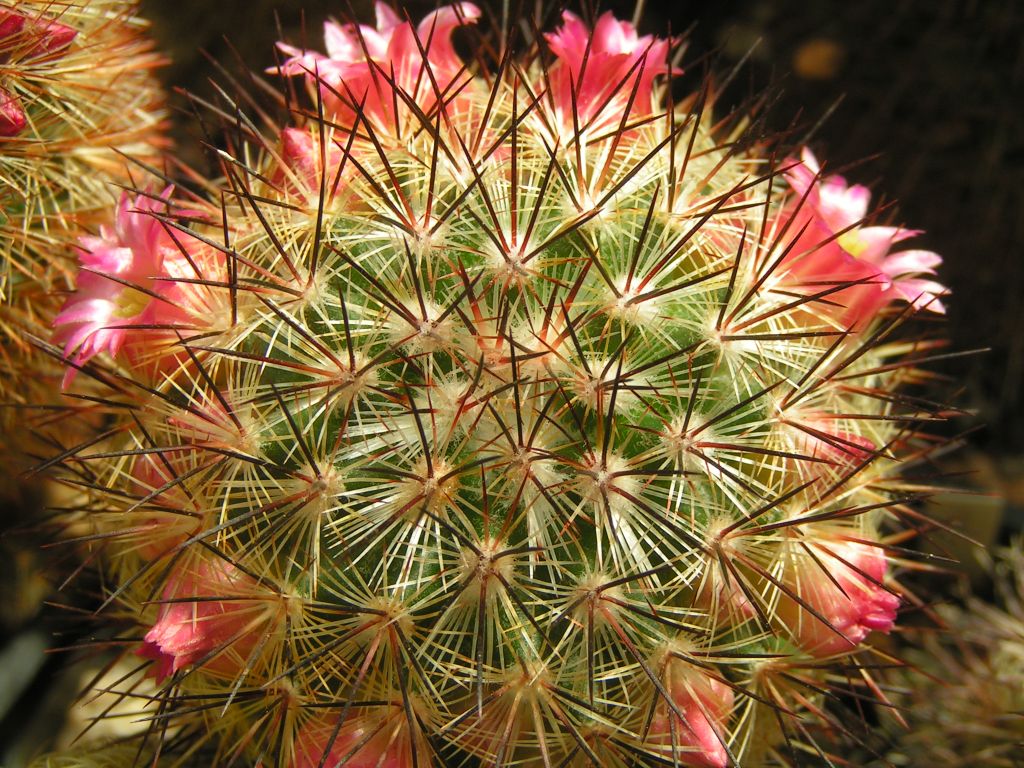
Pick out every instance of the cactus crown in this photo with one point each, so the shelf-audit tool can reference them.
(499, 417)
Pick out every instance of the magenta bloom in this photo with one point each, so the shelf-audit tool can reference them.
(127, 285)
(364, 63)
(698, 738)
(203, 615)
(842, 583)
(366, 742)
(598, 72)
(25, 38)
(832, 248)
(39, 35)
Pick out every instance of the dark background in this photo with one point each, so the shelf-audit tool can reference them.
(920, 99)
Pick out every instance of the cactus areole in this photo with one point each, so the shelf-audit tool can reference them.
(508, 414)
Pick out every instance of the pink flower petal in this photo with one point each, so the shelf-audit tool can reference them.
(87, 310)
(842, 205)
(439, 24)
(364, 63)
(338, 41)
(614, 36)
(386, 17)
(923, 294)
(595, 74)
(911, 262)
(842, 584)
(830, 244)
(810, 161)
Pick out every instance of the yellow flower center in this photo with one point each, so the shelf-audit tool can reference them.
(131, 302)
(852, 243)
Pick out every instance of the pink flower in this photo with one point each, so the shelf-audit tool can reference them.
(210, 608)
(364, 65)
(128, 289)
(833, 248)
(597, 72)
(26, 38)
(361, 742)
(300, 154)
(840, 581)
(697, 738)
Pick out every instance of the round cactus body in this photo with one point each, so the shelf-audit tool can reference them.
(507, 415)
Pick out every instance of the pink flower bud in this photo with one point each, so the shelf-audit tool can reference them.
(54, 37)
(10, 24)
(45, 35)
(694, 733)
(362, 741)
(26, 38)
(301, 155)
(841, 582)
(826, 450)
(210, 609)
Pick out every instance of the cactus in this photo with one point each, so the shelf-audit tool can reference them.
(77, 95)
(506, 413)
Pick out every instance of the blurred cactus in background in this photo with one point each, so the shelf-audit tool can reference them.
(80, 108)
(509, 412)
(114, 755)
(966, 685)
(79, 105)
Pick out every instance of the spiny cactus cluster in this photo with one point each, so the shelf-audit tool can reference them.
(77, 99)
(503, 411)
